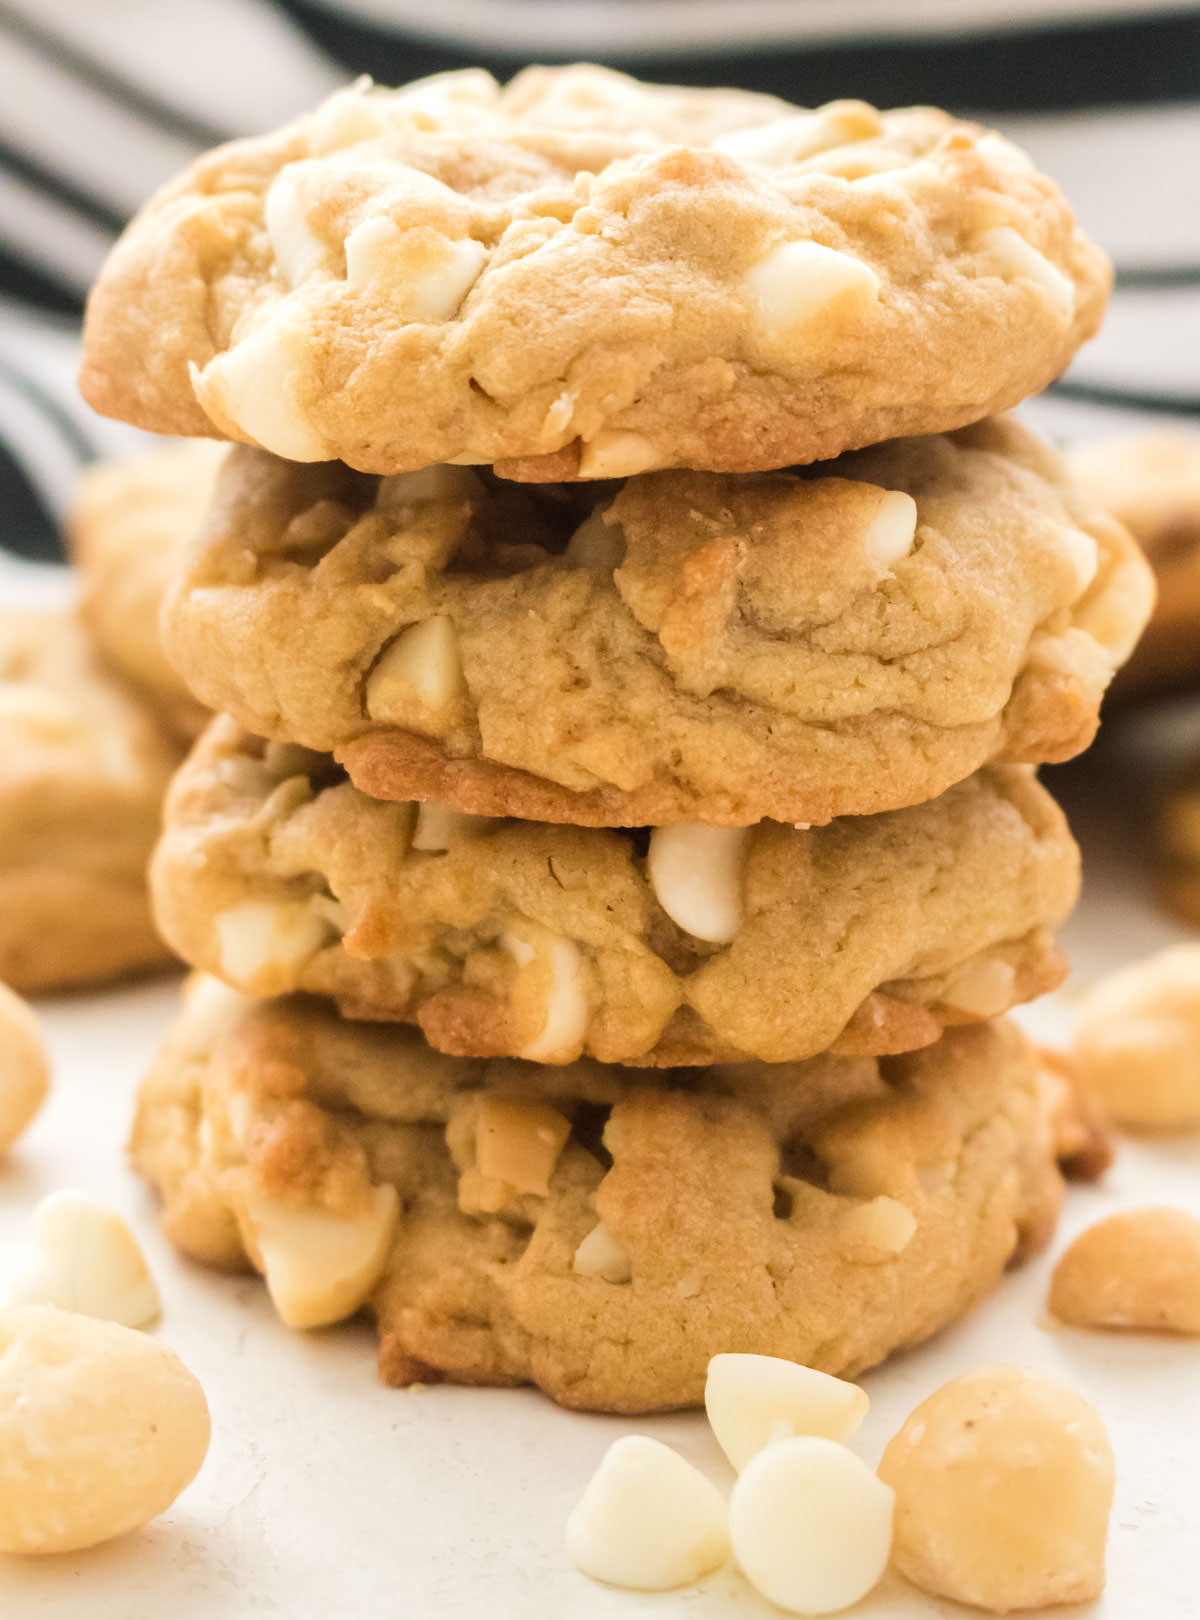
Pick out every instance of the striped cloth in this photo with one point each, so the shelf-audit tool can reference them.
(99, 104)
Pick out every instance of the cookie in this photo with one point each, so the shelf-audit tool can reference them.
(128, 527)
(1152, 484)
(574, 1228)
(691, 646)
(578, 276)
(675, 945)
(83, 770)
(1177, 845)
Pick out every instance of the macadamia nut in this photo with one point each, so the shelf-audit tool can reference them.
(1003, 1485)
(1137, 1038)
(100, 1430)
(1139, 1268)
(24, 1067)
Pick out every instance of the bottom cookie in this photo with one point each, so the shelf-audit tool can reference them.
(581, 1229)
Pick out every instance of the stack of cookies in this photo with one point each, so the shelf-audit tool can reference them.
(615, 852)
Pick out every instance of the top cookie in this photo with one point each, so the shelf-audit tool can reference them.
(128, 527)
(581, 276)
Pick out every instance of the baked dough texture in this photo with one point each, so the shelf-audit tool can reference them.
(581, 276)
(1152, 484)
(831, 1212)
(666, 946)
(128, 527)
(682, 646)
(83, 771)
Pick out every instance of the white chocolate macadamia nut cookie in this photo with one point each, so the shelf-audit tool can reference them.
(582, 276)
(826, 1212)
(516, 938)
(128, 526)
(83, 770)
(682, 647)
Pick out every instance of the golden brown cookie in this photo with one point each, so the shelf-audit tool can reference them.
(83, 770)
(581, 276)
(128, 527)
(576, 1228)
(675, 945)
(1152, 484)
(691, 646)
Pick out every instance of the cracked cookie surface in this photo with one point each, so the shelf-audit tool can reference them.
(683, 646)
(128, 526)
(658, 946)
(581, 276)
(83, 771)
(574, 1228)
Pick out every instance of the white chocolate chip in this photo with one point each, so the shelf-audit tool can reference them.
(439, 828)
(418, 680)
(799, 282)
(434, 272)
(648, 1520)
(1084, 554)
(251, 384)
(24, 1067)
(86, 1259)
(263, 942)
(550, 993)
(442, 483)
(319, 1267)
(297, 251)
(696, 874)
(883, 1226)
(602, 1254)
(891, 532)
(803, 135)
(811, 1525)
(210, 1008)
(982, 989)
(1007, 254)
(103, 1427)
(597, 546)
(754, 1401)
(518, 1144)
(612, 453)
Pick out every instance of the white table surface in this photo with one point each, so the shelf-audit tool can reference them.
(327, 1495)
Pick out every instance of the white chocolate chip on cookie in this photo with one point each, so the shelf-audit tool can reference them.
(550, 1001)
(434, 272)
(696, 874)
(24, 1067)
(319, 1266)
(86, 1259)
(1006, 253)
(791, 140)
(891, 532)
(811, 1525)
(297, 251)
(251, 386)
(602, 1254)
(648, 1520)
(982, 988)
(418, 679)
(799, 282)
(754, 1401)
(261, 942)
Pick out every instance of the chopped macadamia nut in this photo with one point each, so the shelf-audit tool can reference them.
(549, 1000)
(86, 1259)
(601, 1254)
(648, 1519)
(1139, 1268)
(100, 1429)
(754, 1401)
(418, 680)
(1003, 1485)
(811, 1525)
(517, 1144)
(1137, 1039)
(24, 1067)
(613, 454)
